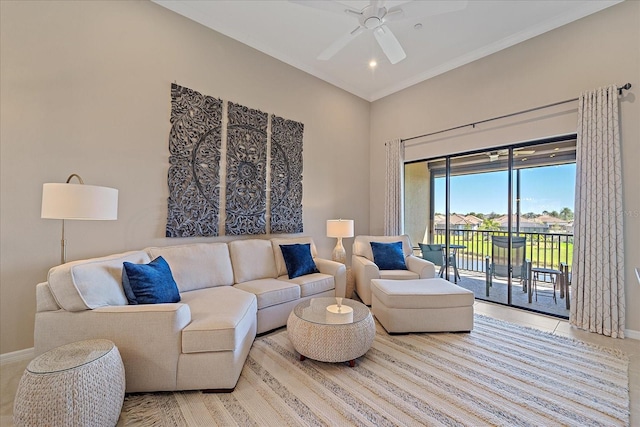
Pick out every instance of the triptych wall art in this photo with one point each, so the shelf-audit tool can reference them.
(233, 170)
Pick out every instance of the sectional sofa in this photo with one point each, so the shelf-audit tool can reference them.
(229, 292)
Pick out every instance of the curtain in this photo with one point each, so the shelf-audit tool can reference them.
(393, 191)
(598, 256)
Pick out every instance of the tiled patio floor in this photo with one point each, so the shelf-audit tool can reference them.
(475, 282)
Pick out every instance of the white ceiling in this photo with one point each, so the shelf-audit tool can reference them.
(297, 34)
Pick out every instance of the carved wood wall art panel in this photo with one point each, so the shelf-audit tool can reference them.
(246, 191)
(286, 175)
(194, 164)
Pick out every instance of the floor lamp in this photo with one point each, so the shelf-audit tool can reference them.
(79, 202)
(339, 228)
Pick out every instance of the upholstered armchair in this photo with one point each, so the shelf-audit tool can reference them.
(365, 268)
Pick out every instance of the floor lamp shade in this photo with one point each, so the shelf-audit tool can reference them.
(79, 202)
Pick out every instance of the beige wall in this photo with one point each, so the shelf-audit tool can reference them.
(595, 51)
(85, 88)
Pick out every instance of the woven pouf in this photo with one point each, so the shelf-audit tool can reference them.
(78, 384)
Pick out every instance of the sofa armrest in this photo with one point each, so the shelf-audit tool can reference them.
(363, 271)
(336, 269)
(44, 298)
(425, 269)
(149, 338)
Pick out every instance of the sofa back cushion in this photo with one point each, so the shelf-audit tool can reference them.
(252, 260)
(277, 252)
(91, 283)
(197, 265)
(362, 244)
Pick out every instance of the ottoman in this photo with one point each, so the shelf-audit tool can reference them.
(77, 384)
(422, 305)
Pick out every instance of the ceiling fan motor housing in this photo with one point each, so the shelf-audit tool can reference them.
(372, 17)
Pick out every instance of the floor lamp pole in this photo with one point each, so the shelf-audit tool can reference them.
(63, 247)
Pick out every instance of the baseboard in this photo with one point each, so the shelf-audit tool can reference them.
(630, 333)
(16, 356)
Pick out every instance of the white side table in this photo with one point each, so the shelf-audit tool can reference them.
(78, 384)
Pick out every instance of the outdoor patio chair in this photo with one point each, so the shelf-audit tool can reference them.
(435, 254)
(498, 264)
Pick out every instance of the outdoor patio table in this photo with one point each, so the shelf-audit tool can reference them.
(454, 253)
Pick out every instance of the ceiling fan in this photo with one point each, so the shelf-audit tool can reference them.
(495, 155)
(374, 18)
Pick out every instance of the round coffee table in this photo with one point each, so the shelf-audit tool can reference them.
(80, 384)
(319, 331)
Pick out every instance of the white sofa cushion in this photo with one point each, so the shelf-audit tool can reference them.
(271, 291)
(362, 244)
(281, 267)
(252, 259)
(92, 283)
(220, 319)
(398, 275)
(197, 265)
(311, 284)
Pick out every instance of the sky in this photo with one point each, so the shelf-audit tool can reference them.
(544, 188)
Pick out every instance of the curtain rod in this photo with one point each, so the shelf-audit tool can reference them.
(626, 86)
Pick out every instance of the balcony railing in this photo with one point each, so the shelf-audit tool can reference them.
(544, 250)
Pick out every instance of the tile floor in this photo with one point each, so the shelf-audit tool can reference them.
(476, 282)
(10, 373)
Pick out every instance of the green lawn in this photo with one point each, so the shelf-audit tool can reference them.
(541, 252)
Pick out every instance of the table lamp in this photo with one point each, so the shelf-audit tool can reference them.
(77, 201)
(339, 228)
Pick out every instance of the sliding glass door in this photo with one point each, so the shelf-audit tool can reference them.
(502, 218)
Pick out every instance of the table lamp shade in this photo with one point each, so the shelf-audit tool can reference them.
(79, 202)
(339, 228)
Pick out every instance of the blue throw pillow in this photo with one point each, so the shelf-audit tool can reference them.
(388, 256)
(298, 259)
(149, 283)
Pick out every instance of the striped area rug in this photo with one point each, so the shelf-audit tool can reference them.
(500, 374)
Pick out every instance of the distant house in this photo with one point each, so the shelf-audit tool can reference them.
(474, 220)
(556, 225)
(569, 227)
(526, 225)
(457, 222)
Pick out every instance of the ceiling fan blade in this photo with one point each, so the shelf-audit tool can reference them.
(389, 44)
(337, 45)
(375, 4)
(329, 6)
(423, 9)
